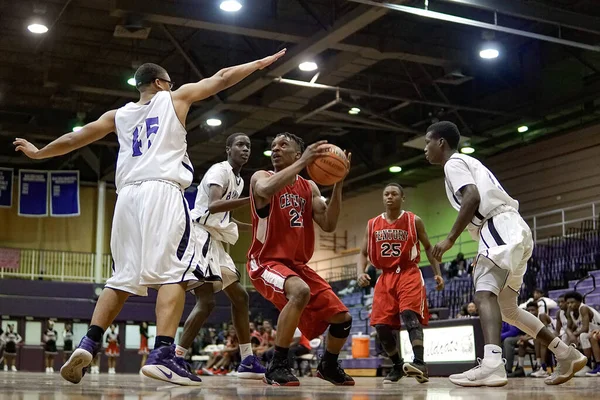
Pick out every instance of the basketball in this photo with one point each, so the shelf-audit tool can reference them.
(329, 168)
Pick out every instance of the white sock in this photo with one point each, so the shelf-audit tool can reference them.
(245, 350)
(180, 351)
(492, 352)
(539, 362)
(521, 361)
(559, 348)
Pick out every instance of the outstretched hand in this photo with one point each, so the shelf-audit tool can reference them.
(27, 148)
(265, 62)
(440, 248)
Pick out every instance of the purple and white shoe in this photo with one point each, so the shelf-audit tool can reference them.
(76, 366)
(162, 365)
(251, 368)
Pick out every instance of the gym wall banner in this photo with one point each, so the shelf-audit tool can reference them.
(33, 193)
(6, 185)
(64, 194)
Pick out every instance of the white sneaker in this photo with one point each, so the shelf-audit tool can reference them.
(111, 371)
(13, 368)
(582, 372)
(540, 373)
(485, 374)
(47, 370)
(5, 368)
(567, 367)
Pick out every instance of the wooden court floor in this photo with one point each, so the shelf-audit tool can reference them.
(39, 386)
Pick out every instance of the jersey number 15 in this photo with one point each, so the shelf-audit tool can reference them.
(151, 126)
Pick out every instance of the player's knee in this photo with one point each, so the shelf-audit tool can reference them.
(299, 294)
(508, 308)
(484, 296)
(411, 321)
(584, 339)
(341, 330)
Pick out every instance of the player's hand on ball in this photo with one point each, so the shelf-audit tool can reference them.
(265, 62)
(363, 280)
(349, 157)
(440, 248)
(27, 148)
(314, 151)
(439, 283)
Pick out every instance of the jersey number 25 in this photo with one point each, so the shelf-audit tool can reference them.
(390, 249)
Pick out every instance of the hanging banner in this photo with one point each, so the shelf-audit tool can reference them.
(6, 185)
(33, 193)
(10, 258)
(190, 195)
(64, 194)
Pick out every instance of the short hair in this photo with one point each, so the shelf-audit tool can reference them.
(397, 185)
(231, 138)
(539, 290)
(447, 131)
(575, 296)
(532, 304)
(147, 73)
(295, 138)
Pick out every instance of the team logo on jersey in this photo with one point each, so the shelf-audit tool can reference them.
(391, 234)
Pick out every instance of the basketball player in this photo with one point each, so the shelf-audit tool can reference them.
(505, 245)
(219, 194)
(151, 241)
(284, 206)
(585, 319)
(391, 243)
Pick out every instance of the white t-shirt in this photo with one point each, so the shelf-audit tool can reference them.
(219, 225)
(462, 170)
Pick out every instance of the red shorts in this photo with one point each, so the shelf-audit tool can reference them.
(396, 292)
(269, 279)
(112, 350)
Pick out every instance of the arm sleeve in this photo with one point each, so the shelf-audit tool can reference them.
(458, 174)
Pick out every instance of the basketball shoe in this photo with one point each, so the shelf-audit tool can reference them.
(487, 373)
(417, 370)
(279, 373)
(76, 366)
(162, 365)
(251, 368)
(334, 373)
(395, 374)
(567, 367)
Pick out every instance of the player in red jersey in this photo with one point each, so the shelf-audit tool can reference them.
(391, 243)
(284, 206)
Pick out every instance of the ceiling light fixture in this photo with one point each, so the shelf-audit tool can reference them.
(394, 169)
(37, 28)
(354, 110)
(267, 153)
(308, 66)
(467, 150)
(213, 122)
(489, 53)
(230, 6)
(131, 81)
(523, 129)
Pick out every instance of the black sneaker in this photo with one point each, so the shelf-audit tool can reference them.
(395, 374)
(417, 371)
(279, 373)
(334, 373)
(519, 372)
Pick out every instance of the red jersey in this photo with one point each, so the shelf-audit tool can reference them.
(285, 233)
(395, 245)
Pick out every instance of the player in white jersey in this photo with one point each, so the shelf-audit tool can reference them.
(505, 245)
(584, 320)
(151, 241)
(218, 194)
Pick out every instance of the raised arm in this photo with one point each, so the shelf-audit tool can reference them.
(222, 80)
(362, 278)
(70, 141)
(435, 265)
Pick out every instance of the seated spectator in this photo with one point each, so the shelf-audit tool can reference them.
(472, 310)
(545, 304)
(584, 320)
(221, 362)
(268, 338)
(541, 350)
(563, 323)
(458, 266)
(510, 336)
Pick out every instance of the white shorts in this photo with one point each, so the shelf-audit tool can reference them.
(152, 240)
(216, 265)
(505, 245)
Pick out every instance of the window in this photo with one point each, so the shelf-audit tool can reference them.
(33, 333)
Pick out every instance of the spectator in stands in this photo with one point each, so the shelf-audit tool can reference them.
(268, 338)
(585, 319)
(541, 350)
(472, 310)
(298, 347)
(221, 362)
(545, 304)
(255, 337)
(563, 323)
(510, 337)
(11, 338)
(458, 266)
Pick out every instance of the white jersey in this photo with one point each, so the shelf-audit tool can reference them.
(152, 143)
(594, 318)
(219, 225)
(462, 170)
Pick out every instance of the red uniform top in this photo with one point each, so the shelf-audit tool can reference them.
(395, 245)
(284, 231)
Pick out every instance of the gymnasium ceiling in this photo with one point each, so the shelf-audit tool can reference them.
(401, 70)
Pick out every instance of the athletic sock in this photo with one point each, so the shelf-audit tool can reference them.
(396, 359)
(163, 341)
(559, 348)
(245, 350)
(492, 352)
(330, 358)
(281, 353)
(419, 351)
(95, 333)
(180, 351)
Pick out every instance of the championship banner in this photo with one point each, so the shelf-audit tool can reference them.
(64, 194)
(10, 258)
(6, 185)
(33, 193)
(190, 195)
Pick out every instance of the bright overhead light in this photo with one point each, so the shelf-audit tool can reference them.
(308, 66)
(131, 81)
(489, 53)
(354, 110)
(37, 28)
(213, 122)
(523, 129)
(394, 169)
(267, 153)
(77, 128)
(230, 5)
(467, 150)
